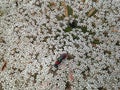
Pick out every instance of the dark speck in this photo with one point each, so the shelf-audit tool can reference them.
(73, 24)
(118, 43)
(67, 86)
(16, 4)
(101, 88)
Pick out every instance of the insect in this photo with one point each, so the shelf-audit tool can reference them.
(59, 59)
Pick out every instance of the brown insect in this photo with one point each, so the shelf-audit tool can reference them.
(4, 65)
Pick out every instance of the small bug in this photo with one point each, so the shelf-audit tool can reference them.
(59, 59)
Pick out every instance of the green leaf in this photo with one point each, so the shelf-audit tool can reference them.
(70, 10)
(1, 12)
(75, 16)
(68, 29)
(84, 29)
(60, 17)
(96, 41)
(79, 63)
(92, 33)
(75, 37)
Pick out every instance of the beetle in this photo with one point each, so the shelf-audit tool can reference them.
(57, 62)
(60, 58)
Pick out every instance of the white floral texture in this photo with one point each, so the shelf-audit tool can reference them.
(33, 33)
